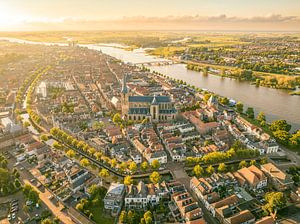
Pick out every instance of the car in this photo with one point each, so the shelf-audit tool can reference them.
(32, 180)
(22, 168)
(16, 164)
(28, 203)
(15, 209)
(13, 215)
(9, 217)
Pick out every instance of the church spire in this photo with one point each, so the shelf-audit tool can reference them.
(124, 85)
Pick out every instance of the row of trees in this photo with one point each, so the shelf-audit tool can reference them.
(222, 168)
(154, 177)
(129, 166)
(22, 89)
(34, 80)
(238, 151)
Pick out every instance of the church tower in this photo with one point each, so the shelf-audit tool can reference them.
(124, 97)
(154, 110)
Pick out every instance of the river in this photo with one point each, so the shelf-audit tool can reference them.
(276, 104)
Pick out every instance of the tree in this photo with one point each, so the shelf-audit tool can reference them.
(117, 118)
(252, 162)
(113, 162)
(47, 221)
(145, 121)
(132, 167)
(128, 180)
(144, 166)
(222, 168)
(123, 217)
(147, 218)
(275, 201)
(155, 164)
(57, 145)
(264, 160)
(44, 137)
(84, 162)
(198, 170)
(17, 183)
(104, 173)
(71, 153)
(239, 107)
(282, 136)
(98, 125)
(130, 217)
(155, 177)
(243, 164)
(261, 117)
(26, 124)
(250, 112)
(210, 169)
(281, 125)
(294, 140)
(79, 207)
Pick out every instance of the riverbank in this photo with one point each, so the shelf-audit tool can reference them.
(295, 93)
(269, 80)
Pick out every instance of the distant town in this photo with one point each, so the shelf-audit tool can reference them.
(88, 138)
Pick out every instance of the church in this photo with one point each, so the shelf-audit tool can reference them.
(155, 108)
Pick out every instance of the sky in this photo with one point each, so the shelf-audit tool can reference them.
(262, 15)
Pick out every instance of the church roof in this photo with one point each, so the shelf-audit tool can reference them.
(139, 110)
(149, 99)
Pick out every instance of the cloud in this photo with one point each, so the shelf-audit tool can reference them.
(196, 22)
(274, 18)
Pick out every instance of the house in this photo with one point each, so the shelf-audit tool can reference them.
(270, 147)
(278, 178)
(113, 199)
(141, 195)
(224, 203)
(77, 177)
(266, 220)
(187, 207)
(243, 217)
(251, 176)
(135, 156)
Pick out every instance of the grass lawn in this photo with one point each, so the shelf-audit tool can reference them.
(99, 216)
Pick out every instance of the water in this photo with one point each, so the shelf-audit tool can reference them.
(276, 104)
